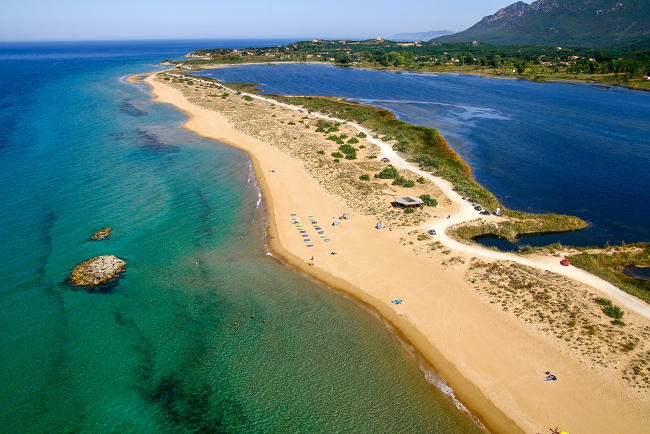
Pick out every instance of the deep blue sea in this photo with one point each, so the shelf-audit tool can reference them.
(80, 149)
(565, 148)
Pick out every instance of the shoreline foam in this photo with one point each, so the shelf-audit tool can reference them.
(469, 365)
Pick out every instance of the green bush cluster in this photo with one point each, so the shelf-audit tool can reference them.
(349, 151)
(353, 140)
(291, 123)
(362, 135)
(428, 200)
(611, 310)
(388, 173)
(337, 154)
(335, 138)
(400, 180)
(365, 177)
(326, 127)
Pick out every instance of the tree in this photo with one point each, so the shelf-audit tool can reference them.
(520, 67)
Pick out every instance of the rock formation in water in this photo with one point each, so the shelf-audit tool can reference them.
(101, 234)
(97, 271)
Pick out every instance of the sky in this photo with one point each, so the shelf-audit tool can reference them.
(67, 20)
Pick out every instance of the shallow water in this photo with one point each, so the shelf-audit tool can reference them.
(541, 147)
(642, 273)
(82, 149)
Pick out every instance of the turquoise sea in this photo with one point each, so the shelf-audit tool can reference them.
(80, 149)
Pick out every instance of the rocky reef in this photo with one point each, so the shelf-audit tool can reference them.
(101, 234)
(97, 271)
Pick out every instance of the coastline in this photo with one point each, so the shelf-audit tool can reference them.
(468, 364)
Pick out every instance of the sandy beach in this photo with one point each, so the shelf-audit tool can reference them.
(489, 327)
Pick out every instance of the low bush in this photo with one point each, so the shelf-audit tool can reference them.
(388, 173)
(611, 310)
(337, 155)
(365, 177)
(428, 200)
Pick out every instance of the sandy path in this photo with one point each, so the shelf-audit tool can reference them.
(465, 213)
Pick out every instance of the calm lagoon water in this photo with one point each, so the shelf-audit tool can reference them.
(81, 149)
(541, 147)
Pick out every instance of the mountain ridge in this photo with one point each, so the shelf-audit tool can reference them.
(589, 23)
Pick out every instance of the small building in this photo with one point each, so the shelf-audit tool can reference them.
(408, 202)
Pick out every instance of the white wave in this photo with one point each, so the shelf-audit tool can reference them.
(441, 385)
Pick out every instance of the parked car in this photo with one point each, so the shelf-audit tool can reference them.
(431, 232)
(485, 212)
(478, 207)
(385, 160)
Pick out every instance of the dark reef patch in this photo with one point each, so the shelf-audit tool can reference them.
(128, 108)
(149, 141)
(49, 219)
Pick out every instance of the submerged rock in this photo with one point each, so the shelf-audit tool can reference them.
(97, 271)
(101, 234)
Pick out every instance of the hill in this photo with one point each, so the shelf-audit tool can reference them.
(420, 36)
(585, 23)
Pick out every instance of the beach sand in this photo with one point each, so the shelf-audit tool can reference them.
(480, 336)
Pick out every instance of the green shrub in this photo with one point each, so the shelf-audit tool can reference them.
(321, 152)
(336, 160)
(400, 147)
(611, 310)
(423, 237)
(291, 123)
(362, 135)
(365, 177)
(360, 147)
(247, 98)
(409, 210)
(371, 157)
(344, 136)
(603, 301)
(421, 180)
(352, 140)
(337, 155)
(388, 173)
(428, 200)
(408, 183)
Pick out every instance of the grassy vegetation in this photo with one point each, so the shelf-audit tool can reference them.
(611, 310)
(522, 224)
(609, 265)
(430, 150)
